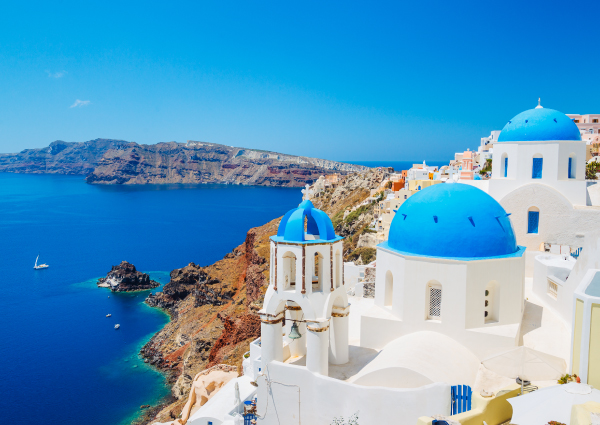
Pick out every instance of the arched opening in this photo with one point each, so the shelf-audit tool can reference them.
(492, 303)
(537, 166)
(338, 270)
(572, 168)
(389, 289)
(317, 278)
(289, 270)
(434, 301)
(504, 165)
(533, 220)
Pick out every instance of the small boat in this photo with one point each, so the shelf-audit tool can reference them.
(39, 266)
(117, 326)
(108, 315)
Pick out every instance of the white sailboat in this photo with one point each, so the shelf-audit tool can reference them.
(40, 266)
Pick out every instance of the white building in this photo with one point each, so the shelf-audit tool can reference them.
(452, 266)
(538, 175)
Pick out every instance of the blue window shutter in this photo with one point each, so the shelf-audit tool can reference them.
(536, 172)
(570, 165)
(505, 166)
(533, 221)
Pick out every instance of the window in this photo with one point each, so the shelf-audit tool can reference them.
(434, 295)
(505, 166)
(577, 121)
(552, 289)
(533, 221)
(389, 289)
(536, 169)
(289, 270)
(491, 303)
(317, 272)
(405, 196)
(595, 120)
(572, 171)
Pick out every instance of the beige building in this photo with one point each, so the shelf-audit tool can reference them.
(387, 211)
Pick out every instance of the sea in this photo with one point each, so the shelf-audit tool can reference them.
(61, 360)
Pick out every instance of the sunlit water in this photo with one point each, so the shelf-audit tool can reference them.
(61, 360)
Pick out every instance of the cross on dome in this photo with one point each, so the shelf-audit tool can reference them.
(539, 104)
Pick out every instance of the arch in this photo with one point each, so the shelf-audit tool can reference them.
(289, 270)
(317, 276)
(434, 300)
(537, 166)
(572, 166)
(492, 302)
(533, 219)
(389, 289)
(504, 165)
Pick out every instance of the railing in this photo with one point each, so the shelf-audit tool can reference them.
(575, 254)
(461, 398)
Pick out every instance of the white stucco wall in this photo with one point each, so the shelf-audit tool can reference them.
(557, 269)
(555, 168)
(295, 393)
(463, 300)
(559, 221)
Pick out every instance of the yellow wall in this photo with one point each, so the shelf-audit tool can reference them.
(577, 336)
(414, 184)
(593, 363)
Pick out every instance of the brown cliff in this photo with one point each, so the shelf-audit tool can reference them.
(199, 162)
(213, 308)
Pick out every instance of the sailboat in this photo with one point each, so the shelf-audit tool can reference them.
(40, 266)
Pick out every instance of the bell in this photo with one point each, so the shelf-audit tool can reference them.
(294, 333)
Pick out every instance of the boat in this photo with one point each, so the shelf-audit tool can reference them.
(117, 326)
(108, 315)
(39, 266)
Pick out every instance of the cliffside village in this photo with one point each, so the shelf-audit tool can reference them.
(481, 305)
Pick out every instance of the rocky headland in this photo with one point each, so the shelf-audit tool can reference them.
(213, 308)
(125, 278)
(107, 161)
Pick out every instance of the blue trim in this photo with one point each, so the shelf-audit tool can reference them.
(505, 166)
(536, 168)
(570, 168)
(281, 239)
(533, 221)
(518, 253)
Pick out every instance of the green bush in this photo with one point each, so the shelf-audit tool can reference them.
(591, 169)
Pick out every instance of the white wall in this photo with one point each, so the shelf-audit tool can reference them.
(555, 265)
(555, 168)
(463, 295)
(299, 396)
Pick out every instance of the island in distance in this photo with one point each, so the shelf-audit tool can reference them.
(125, 278)
(109, 161)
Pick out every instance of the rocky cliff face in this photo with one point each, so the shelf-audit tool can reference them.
(213, 308)
(107, 161)
(197, 162)
(60, 157)
(125, 278)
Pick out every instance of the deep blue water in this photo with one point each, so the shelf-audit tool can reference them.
(61, 360)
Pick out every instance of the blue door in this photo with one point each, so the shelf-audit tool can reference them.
(533, 221)
(536, 172)
(570, 168)
(461, 398)
(505, 166)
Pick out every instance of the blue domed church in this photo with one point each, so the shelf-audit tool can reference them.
(451, 265)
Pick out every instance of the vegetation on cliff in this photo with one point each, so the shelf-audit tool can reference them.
(213, 308)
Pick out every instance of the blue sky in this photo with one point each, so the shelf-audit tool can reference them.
(343, 80)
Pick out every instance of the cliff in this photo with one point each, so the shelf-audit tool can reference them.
(107, 161)
(60, 157)
(198, 162)
(125, 278)
(213, 308)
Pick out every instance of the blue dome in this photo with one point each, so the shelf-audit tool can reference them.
(452, 220)
(318, 225)
(539, 124)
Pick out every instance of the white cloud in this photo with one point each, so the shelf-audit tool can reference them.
(58, 74)
(79, 103)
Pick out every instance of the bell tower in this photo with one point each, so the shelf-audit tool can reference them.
(306, 308)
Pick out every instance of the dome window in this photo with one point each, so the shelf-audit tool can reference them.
(435, 218)
(472, 222)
